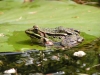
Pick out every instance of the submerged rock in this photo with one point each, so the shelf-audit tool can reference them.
(79, 54)
(10, 71)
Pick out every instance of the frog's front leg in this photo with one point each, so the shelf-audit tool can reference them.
(48, 42)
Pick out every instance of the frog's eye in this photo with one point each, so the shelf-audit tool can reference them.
(35, 27)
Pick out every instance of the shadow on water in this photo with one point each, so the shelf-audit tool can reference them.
(54, 62)
(24, 42)
(27, 42)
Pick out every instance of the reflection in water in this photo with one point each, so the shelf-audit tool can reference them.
(86, 61)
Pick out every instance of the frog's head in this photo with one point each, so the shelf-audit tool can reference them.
(33, 32)
(37, 35)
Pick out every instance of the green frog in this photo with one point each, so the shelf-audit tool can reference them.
(58, 37)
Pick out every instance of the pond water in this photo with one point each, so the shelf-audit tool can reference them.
(76, 61)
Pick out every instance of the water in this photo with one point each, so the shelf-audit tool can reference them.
(54, 62)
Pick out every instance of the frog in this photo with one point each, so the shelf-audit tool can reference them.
(59, 37)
